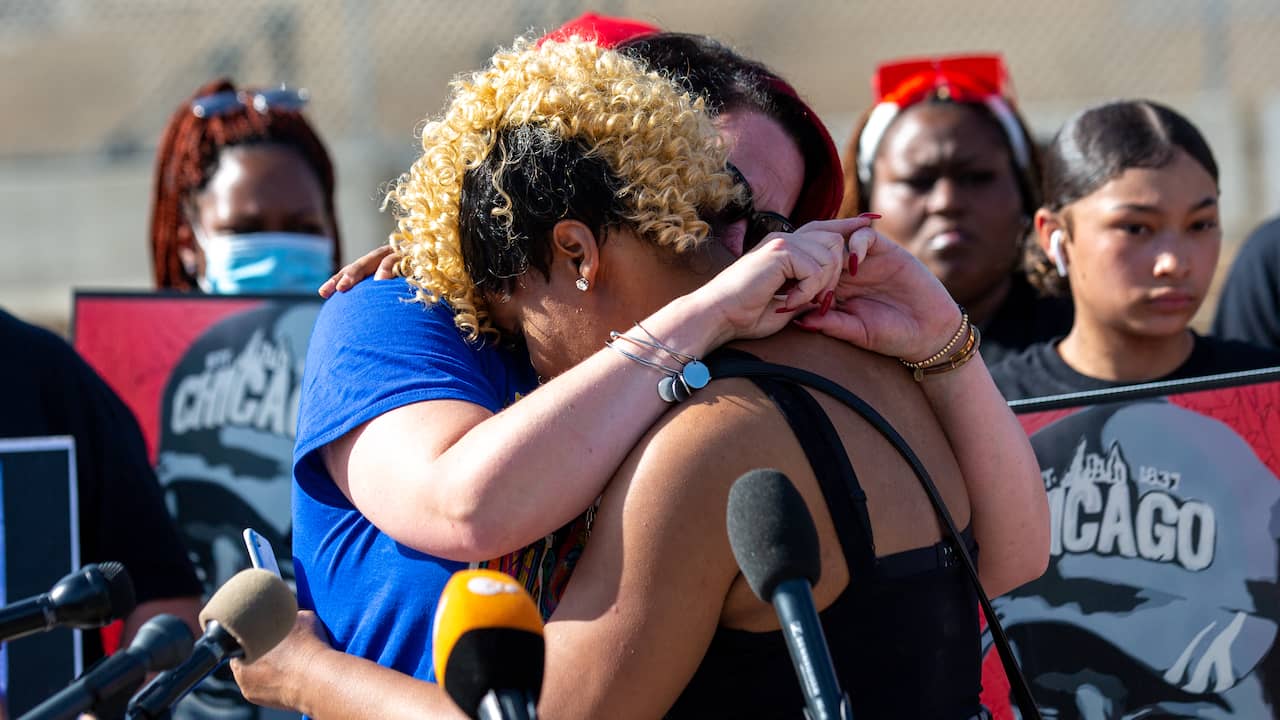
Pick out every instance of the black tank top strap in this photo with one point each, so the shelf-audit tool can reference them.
(846, 501)
(845, 498)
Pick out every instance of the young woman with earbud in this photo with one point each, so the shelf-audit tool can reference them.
(1129, 230)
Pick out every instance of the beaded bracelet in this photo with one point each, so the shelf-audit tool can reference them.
(964, 355)
(964, 325)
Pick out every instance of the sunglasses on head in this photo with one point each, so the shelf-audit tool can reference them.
(956, 77)
(760, 223)
(229, 101)
(975, 79)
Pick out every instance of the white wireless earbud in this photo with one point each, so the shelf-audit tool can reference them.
(1055, 252)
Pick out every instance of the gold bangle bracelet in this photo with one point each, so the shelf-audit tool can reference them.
(955, 362)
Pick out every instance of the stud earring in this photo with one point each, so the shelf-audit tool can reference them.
(582, 284)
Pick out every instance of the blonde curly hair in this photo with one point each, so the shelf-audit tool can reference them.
(657, 142)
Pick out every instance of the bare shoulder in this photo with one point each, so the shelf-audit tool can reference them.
(691, 456)
(724, 424)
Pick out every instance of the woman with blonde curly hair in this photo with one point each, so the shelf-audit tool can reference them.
(565, 192)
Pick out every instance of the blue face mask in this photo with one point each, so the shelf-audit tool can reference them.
(265, 262)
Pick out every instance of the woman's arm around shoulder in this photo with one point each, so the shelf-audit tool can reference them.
(626, 637)
(648, 593)
(1001, 473)
(459, 477)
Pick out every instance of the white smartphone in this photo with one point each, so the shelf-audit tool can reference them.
(260, 552)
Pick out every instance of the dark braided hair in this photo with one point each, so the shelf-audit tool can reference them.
(188, 156)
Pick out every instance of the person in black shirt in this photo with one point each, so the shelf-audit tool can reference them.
(1129, 230)
(1040, 370)
(944, 156)
(1248, 309)
(50, 390)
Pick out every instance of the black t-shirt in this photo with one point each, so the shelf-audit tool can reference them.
(1249, 308)
(1022, 320)
(1039, 371)
(49, 390)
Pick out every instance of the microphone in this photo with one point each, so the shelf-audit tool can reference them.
(245, 618)
(776, 546)
(161, 643)
(488, 649)
(90, 597)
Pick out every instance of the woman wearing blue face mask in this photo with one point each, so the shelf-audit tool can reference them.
(243, 198)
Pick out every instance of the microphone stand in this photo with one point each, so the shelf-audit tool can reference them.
(507, 705)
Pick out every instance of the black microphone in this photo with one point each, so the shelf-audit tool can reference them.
(487, 646)
(90, 597)
(161, 643)
(247, 617)
(776, 546)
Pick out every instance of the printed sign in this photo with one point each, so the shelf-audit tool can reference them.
(213, 381)
(1162, 597)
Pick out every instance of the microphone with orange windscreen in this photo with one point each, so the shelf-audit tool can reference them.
(488, 647)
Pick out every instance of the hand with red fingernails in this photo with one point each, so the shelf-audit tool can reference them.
(888, 302)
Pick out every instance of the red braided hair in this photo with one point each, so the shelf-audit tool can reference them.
(188, 156)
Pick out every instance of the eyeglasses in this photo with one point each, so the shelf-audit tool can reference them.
(229, 101)
(963, 78)
(760, 223)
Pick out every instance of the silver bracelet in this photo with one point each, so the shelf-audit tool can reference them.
(647, 363)
(675, 385)
(682, 357)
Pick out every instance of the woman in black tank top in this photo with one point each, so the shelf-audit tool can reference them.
(657, 618)
(908, 620)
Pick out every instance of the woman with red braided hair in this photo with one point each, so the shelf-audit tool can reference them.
(243, 196)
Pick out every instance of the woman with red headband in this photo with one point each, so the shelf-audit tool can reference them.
(944, 156)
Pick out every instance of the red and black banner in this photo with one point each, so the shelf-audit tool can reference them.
(1162, 597)
(213, 382)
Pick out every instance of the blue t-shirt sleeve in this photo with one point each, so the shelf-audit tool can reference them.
(374, 350)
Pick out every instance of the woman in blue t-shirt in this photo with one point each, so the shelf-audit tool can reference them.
(1130, 230)
(553, 220)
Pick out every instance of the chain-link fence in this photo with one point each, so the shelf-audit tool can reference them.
(87, 85)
